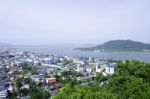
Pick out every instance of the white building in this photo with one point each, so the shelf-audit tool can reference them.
(110, 69)
(3, 93)
(37, 78)
(26, 86)
(79, 68)
(89, 70)
(10, 88)
(75, 60)
(100, 67)
(29, 60)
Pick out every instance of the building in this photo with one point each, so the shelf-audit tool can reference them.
(51, 80)
(89, 70)
(3, 91)
(26, 86)
(85, 79)
(100, 68)
(110, 69)
(37, 79)
(79, 68)
(10, 88)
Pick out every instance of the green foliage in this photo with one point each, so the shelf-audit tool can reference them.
(28, 69)
(45, 95)
(12, 95)
(67, 62)
(36, 93)
(69, 77)
(24, 92)
(19, 83)
(70, 73)
(130, 81)
(89, 92)
(100, 77)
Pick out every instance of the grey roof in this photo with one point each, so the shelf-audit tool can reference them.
(2, 88)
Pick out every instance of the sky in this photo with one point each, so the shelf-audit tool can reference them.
(43, 22)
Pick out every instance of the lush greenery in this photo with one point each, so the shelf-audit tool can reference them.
(68, 77)
(34, 92)
(28, 69)
(71, 73)
(120, 45)
(100, 78)
(130, 81)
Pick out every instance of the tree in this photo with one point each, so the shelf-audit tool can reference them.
(100, 77)
(19, 84)
(130, 81)
(45, 95)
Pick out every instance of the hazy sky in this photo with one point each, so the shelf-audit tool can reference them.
(73, 21)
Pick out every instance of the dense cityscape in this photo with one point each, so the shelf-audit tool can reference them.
(19, 70)
(29, 75)
(74, 49)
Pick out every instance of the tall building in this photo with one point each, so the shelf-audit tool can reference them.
(110, 69)
(100, 67)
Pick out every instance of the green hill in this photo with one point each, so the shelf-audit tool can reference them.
(130, 81)
(119, 45)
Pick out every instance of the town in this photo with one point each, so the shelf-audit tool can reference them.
(24, 74)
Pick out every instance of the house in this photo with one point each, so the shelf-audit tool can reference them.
(10, 88)
(110, 68)
(3, 91)
(51, 81)
(37, 79)
(26, 86)
(3, 76)
(100, 67)
(89, 70)
(81, 68)
(85, 79)
(77, 61)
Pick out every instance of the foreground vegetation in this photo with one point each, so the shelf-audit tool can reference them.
(130, 81)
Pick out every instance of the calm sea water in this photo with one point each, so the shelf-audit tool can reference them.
(69, 50)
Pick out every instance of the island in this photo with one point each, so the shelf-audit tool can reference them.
(119, 45)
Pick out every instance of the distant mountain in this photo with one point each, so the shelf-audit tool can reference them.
(119, 45)
(88, 45)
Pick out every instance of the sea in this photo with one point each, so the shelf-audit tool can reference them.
(69, 50)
